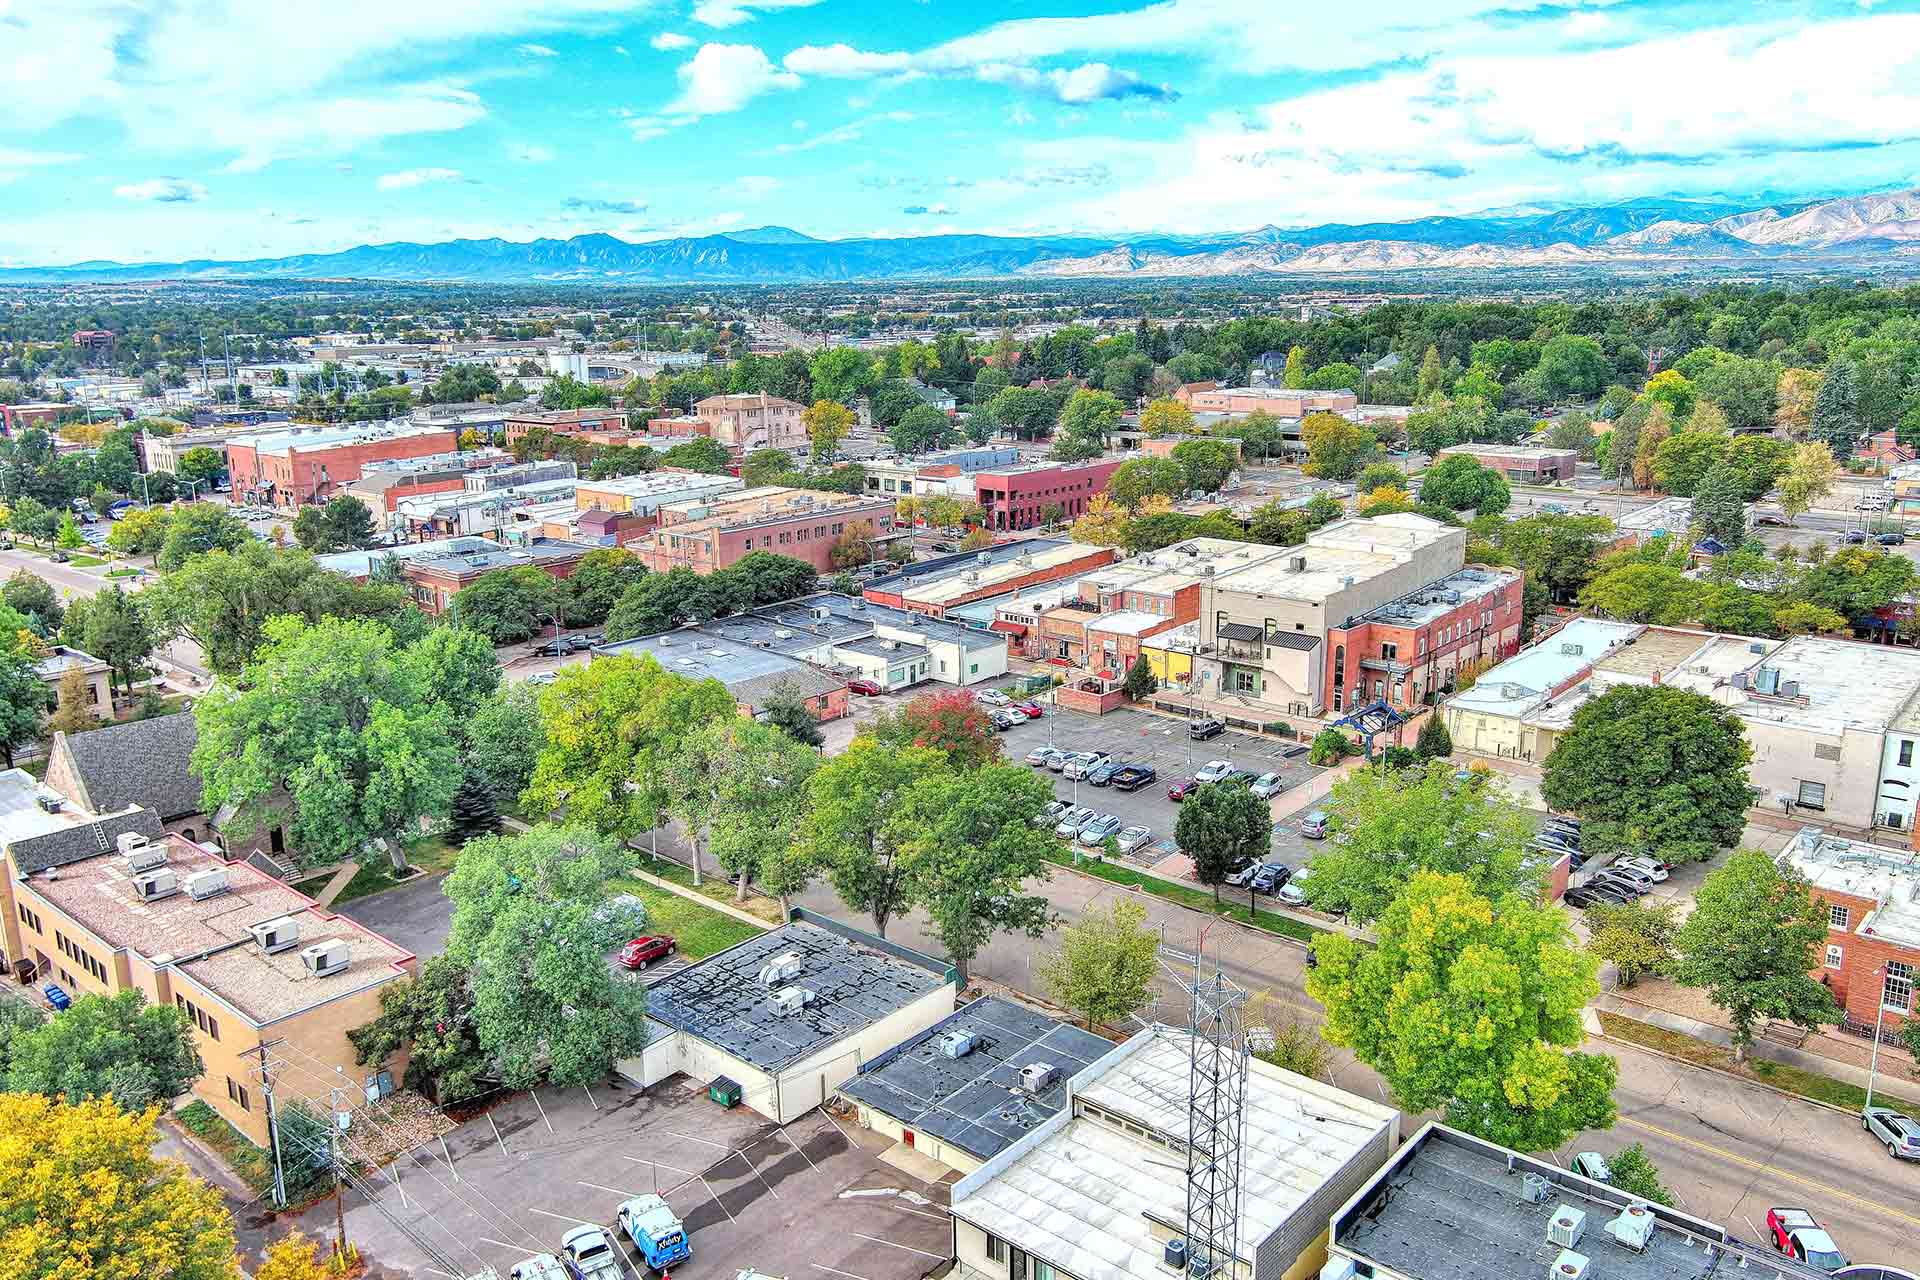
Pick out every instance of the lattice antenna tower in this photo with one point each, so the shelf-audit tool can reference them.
(1216, 1109)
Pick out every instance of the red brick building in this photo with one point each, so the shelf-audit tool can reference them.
(564, 422)
(1019, 497)
(1520, 464)
(709, 534)
(933, 587)
(1412, 647)
(1871, 958)
(292, 466)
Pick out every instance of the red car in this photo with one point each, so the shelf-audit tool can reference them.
(1181, 789)
(1030, 709)
(867, 688)
(642, 952)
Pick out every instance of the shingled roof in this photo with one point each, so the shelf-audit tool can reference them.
(87, 840)
(145, 762)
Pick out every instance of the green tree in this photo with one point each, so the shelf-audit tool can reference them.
(1380, 475)
(142, 531)
(766, 466)
(200, 463)
(840, 373)
(699, 454)
(526, 927)
(1460, 483)
(1166, 417)
(1683, 459)
(1471, 1006)
(920, 429)
(1640, 591)
(504, 737)
(1759, 461)
(1810, 474)
(1433, 376)
(1652, 767)
(1338, 376)
(1837, 421)
(1634, 937)
(475, 811)
(1636, 1175)
(1295, 374)
(1719, 507)
(1219, 825)
(1140, 683)
(760, 778)
(1572, 365)
(1105, 964)
(1389, 824)
(1133, 482)
(24, 702)
(197, 528)
(850, 830)
(1329, 747)
(1433, 742)
(1753, 936)
(827, 422)
(120, 1046)
(33, 597)
(1336, 449)
(1671, 388)
(83, 1195)
(68, 538)
(568, 392)
(508, 606)
(429, 1017)
(1205, 464)
(1085, 423)
(598, 582)
(112, 626)
(786, 709)
(339, 723)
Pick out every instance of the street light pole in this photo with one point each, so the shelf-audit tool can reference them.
(1873, 1064)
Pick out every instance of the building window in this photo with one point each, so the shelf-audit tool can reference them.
(1813, 795)
(1825, 751)
(1245, 682)
(238, 1093)
(1838, 917)
(997, 1250)
(1389, 651)
(1833, 955)
(1906, 753)
(1898, 994)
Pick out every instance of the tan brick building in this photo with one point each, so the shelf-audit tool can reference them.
(747, 422)
(1871, 958)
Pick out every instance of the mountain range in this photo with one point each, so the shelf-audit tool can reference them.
(1663, 235)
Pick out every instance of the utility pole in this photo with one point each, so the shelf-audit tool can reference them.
(333, 1150)
(264, 1072)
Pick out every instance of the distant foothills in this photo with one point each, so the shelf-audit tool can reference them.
(1879, 231)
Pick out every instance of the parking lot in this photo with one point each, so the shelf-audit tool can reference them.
(1140, 737)
(811, 1201)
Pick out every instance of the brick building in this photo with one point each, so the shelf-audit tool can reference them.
(1871, 959)
(1278, 401)
(933, 587)
(383, 485)
(564, 422)
(1413, 647)
(297, 465)
(435, 571)
(95, 344)
(1520, 464)
(747, 422)
(709, 534)
(1020, 497)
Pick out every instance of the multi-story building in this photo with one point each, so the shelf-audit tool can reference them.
(758, 421)
(934, 587)
(1024, 497)
(162, 453)
(563, 422)
(1520, 464)
(1413, 648)
(1871, 959)
(948, 472)
(95, 344)
(1278, 401)
(709, 534)
(382, 485)
(299, 465)
(487, 512)
(104, 904)
(435, 571)
(645, 494)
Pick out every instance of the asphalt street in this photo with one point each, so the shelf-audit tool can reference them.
(189, 663)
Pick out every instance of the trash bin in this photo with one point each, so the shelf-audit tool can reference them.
(725, 1091)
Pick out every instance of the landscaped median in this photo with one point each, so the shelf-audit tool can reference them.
(697, 931)
(1795, 1080)
(1187, 895)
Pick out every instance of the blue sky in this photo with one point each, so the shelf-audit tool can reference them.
(164, 129)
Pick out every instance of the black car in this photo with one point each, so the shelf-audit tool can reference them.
(1131, 777)
(1294, 753)
(1618, 884)
(1244, 777)
(1892, 539)
(1270, 877)
(1588, 896)
(1201, 730)
(559, 647)
(1853, 537)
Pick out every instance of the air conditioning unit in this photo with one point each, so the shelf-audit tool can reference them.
(1534, 1188)
(1566, 1226)
(324, 959)
(145, 857)
(1035, 1077)
(957, 1044)
(50, 804)
(792, 1000)
(276, 935)
(1634, 1227)
(1570, 1266)
(152, 886)
(1740, 680)
(207, 884)
(780, 968)
(128, 841)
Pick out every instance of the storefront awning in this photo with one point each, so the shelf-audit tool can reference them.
(1009, 628)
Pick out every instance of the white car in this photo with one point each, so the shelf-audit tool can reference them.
(1267, 786)
(542, 677)
(1294, 891)
(993, 698)
(1131, 838)
(1655, 871)
(1214, 770)
(1084, 763)
(1072, 820)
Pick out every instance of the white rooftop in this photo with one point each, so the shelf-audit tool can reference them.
(1099, 1203)
(1358, 548)
(1519, 684)
(1825, 685)
(284, 439)
(1128, 622)
(970, 579)
(1890, 877)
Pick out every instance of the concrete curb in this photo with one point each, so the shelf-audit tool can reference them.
(1697, 1066)
(647, 877)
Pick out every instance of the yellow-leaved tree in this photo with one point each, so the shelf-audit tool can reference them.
(292, 1257)
(82, 1197)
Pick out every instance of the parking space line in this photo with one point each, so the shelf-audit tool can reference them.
(837, 1271)
(758, 1174)
(561, 1216)
(690, 1138)
(612, 1190)
(717, 1200)
(662, 1164)
(501, 1244)
(796, 1147)
(496, 1134)
(543, 1109)
(937, 1257)
(589, 1093)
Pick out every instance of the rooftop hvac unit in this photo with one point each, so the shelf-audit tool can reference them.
(792, 1000)
(957, 1044)
(781, 633)
(1175, 1257)
(1633, 1228)
(1740, 680)
(1570, 1266)
(1037, 1076)
(1297, 564)
(207, 884)
(128, 841)
(151, 886)
(1790, 688)
(1758, 646)
(324, 959)
(1573, 650)
(1566, 1226)
(145, 857)
(780, 968)
(1534, 1188)
(1337, 1269)
(821, 613)
(276, 935)
(50, 804)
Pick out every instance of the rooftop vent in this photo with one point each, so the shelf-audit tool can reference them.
(1573, 650)
(792, 1000)
(128, 841)
(210, 883)
(821, 613)
(1740, 680)
(276, 935)
(1035, 1077)
(324, 959)
(1633, 1228)
(1758, 646)
(780, 968)
(1570, 1266)
(1534, 1188)
(50, 804)
(1297, 564)
(957, 1044)
(151, 886)
(1566, 1226)
(144, 856)
(781, 633)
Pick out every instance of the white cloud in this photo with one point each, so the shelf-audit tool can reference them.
(756, 186)
(668, 41)
(414, 178)
(621, 50)
(163, 191)
(529, 153)
(928, 210)
(1089, 82)
(589, 204)
(726, 77)
(539, 51)
(731, 13)
(844, 61)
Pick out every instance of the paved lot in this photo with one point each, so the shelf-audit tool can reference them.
(807, 1202)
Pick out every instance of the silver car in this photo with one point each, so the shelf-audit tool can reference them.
(1213, 771)
(1267, 786)
(1131, 838)
(1098, 829)
(1057, 759)
(1294, 891)
(1083, 764)
(1899, 1132)
(1072, 820)
(1055, 810)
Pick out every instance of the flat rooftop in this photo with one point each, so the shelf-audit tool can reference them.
(750, 507)
(939, 566)
(721, 1000)
(1654, 652)
(1516, 452)
(1843, 684)
(1098, 1201)
(1515, 686)
(207, 938)
(974, 1102)
(701, 655)
(655, 484)
(1889, 876)
(971, 579)
(286, 439)
(1437, 599)
(1450, 1207)
(1669, 515)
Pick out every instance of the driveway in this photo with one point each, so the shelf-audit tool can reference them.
(416, 915)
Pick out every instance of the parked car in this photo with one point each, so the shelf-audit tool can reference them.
(558, 647)
(1131, 838)
(1557, 836)
(865, 688)
(1003, 719)
(1270, 877)
(993, 698)
(1181, 788)
(1892, 539)
(1099, 829)
(1771, 520)
(1314, 825)
(1244, 777)
(542, 677)
(1038, 756)
(1083, 764)
(641, 952)
(1243, 874)
(1103, 774)
(1057, 759)
(1797, 1234)
(1055, 810)
(1213, 771)
(1132, 777)
(1853, 537)
(1294, 891)
(1898, 1131)
(1618, 884)
(1584, 896)
(1295, 752)
(1201, 730)
(1072, 820)
(1658, 872)
(1591, 1164)
(1267, 786)
(1030, 709)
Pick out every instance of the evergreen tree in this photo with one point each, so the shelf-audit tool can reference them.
(1836, 410)
(1432, 376)
(1434, 742)
(1296, 373)
(1719, 506)
(474, 812)
(1140, 683)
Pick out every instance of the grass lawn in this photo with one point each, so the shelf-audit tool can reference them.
(699, 931)
(251, 1163)
(428, 856)
(85, 562)
(1192, 896)
(719, 888)
(1807, 1084)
